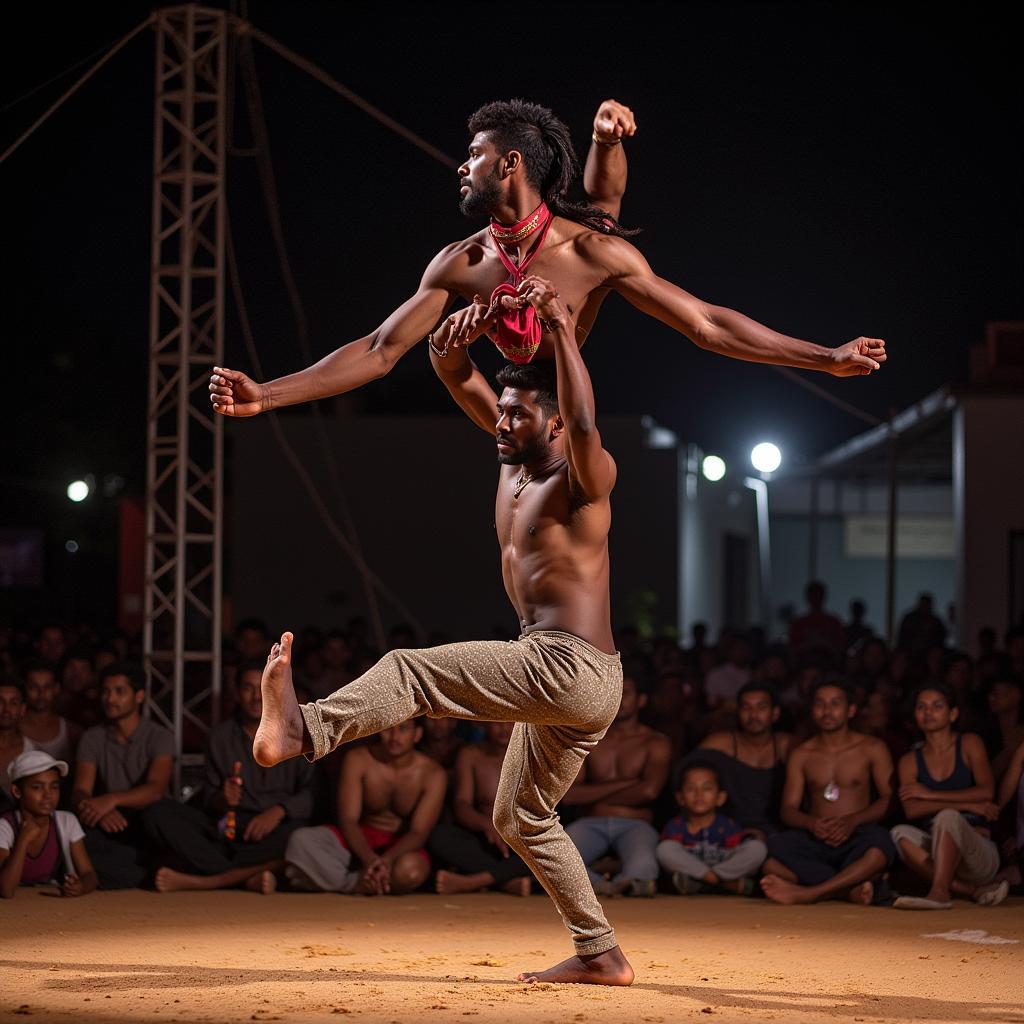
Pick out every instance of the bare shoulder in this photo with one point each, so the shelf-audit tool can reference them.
(657, 741)
(785, 743)
(613, 254)
(907, 762)
(458, 257)
(720, 741)
(972, 744)
(806, 749)
(427, 769)
(358, 756)
(468, 755)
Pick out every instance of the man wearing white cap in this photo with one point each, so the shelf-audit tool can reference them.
(38, 843)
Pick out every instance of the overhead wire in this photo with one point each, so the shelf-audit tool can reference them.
(268, 187)
(68, 93)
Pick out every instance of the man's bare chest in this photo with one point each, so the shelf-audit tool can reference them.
(391, 791)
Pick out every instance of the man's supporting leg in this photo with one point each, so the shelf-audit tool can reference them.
(540, 764)
(590, 836)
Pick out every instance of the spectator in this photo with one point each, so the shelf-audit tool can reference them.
(38, 843)
(47, 730)
(12, 742)
(442, 742)
(751, 760)
(123, 766)
(472, 847)
(946, 790)
(79, 691)
(267, 805)
(336, 657)
(702, 848)
(618, 785)
(51, 644)
(857, 630)
(1004, 705)
(389, 799)
(921, 628)
(724, 681)
(817, 629)
(252, 641)
(875, 718)
(836, 848)
(1011, 788)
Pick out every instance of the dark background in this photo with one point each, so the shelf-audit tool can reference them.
(831, 170)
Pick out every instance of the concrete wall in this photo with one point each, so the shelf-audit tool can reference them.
(421, 492)
(988, 467)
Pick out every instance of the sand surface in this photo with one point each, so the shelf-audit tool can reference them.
(238, 956)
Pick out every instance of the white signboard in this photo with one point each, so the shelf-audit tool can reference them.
(916, 536)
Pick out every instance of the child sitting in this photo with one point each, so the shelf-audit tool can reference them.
(38, 843)
(702, 848)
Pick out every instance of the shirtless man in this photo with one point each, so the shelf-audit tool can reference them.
(561, 681)
(752, 759)
(473, 845)
(50, 732)
(836, 847)
(389, 798)
(520, 165)
(619, 784)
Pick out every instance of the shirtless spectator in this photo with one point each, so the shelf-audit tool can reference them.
(835, 848)
(266, 804)
(12, 742)
(946, 789)
(751, 760)
(618, 785)
(442, 742)
(122, 767)
(817, 629)
(389, 798)
(472, 847)
(49, 731)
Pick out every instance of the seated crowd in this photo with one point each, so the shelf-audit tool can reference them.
(830, 767)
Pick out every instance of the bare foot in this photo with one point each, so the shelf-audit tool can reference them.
(264, 882)
(450, 881)
(279, 734)
(169, 880)
(781, 891)
(862, 894)
(517, 886)
(608, 968)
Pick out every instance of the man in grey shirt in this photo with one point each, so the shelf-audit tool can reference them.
(123, 766)
(240, 836)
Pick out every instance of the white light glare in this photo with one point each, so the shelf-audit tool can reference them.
(78, 490)
(713, 467)
(766, 457)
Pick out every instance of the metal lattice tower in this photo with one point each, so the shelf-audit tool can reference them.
(184, 483)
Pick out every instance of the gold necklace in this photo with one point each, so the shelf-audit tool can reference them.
(524, 479)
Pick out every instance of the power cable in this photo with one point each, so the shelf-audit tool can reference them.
(268, 187)
(289, 452)
(67, 94)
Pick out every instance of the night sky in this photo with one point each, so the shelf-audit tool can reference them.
(828, 169)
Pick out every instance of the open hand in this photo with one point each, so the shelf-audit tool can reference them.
(113, 821)
(614, 120)
(263, 824)
(234, 394)
(857, 358)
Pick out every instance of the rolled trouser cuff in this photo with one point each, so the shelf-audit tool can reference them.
(591, 947)
(315, 727)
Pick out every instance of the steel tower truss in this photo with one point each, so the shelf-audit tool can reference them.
(184, 483)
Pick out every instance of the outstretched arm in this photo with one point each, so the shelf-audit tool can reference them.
(590, 466)
(359, 362)
(604, 177)
(724, 330)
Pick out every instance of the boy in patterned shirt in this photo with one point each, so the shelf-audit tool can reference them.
(702, 848)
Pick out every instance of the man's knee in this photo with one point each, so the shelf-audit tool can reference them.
(409, 872)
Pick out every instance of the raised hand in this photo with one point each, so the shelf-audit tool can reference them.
(613, 121)
(234, 394)
(857, 358)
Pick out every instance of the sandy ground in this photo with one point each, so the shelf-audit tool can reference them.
(237, 956)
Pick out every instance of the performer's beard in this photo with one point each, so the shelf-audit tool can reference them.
(533, 450)
(478, 202)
